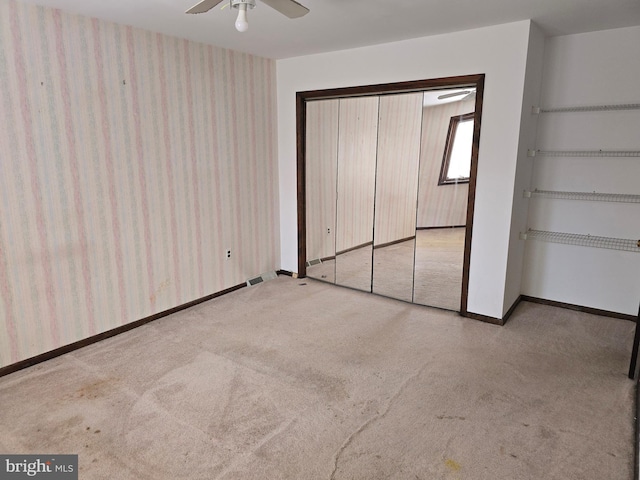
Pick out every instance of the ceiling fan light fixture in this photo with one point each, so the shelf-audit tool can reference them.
(242, 6)
(454, 94)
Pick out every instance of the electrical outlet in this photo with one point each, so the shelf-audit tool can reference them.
(228, 253)
(328, 231)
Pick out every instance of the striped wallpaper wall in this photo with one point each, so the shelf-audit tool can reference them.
(129, 163)
(440, 205)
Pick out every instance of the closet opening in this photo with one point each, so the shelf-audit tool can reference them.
(373, 211)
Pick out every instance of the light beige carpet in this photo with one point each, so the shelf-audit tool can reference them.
(298, 379)
(438, 267)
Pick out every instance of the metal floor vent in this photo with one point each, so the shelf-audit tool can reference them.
(261, 278)
(317, 261)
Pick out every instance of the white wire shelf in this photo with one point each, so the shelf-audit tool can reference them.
(587, 108)
(624, 244)
(588, 196)
(583, 153)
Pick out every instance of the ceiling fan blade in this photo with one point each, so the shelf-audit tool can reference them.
(288, 8)
(203, 6)
(453, 94)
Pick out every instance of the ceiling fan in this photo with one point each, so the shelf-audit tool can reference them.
(467, 93)
(289, 8)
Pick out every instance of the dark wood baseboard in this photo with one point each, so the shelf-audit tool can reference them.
(580, 308)
(362, 245)
(388, 244)
(43, 357)
(440, 228)
(506, 316)
(483, 318)
(284, 272)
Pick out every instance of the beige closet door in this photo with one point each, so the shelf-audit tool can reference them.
(357, 132)
(321, 174)
(398, 159)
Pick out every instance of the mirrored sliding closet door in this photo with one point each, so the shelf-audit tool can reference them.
(386, 189)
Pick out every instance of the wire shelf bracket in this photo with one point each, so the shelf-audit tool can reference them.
(623, 244)
(586, 108)
(583, 153)
(588, 196)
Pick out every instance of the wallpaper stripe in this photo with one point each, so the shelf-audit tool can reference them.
(166, 135)
(272, 189)
(125, 148)
(108, 152)
(6, 296)
(14, 225)
(78, 202)
(216, 193)
(253, 153)
(235, 153)
(30, 154)
(162, 235)
(44, 98)
(146, 217)
(195, 189)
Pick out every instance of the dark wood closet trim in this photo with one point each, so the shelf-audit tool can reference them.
(476, 81)
(43, 357)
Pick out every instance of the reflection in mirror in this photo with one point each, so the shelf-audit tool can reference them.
(442, 199)
(398, 159)
(456, 162)
(358, 124)
(321, 171)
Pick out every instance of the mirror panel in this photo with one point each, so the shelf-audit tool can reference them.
(442, 210)
(398, 158)
(357, 131)
(320, 182)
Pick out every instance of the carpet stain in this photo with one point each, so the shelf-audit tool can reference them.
(452, 465)
(95, 389)
(448, 417)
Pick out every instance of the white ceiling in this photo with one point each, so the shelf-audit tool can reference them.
(341, 24)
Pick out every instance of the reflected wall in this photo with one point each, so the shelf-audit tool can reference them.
(357, 144)
(441, 218)
(398, 158)
(320, 183)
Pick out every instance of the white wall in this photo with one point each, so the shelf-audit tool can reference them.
(500, 52)
(524, 168)
(588, 69)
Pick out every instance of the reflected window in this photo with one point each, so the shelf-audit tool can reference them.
(456, 163)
